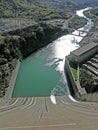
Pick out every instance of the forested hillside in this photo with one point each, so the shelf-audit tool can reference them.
(42, 9)
(37, 9)
(85, 3)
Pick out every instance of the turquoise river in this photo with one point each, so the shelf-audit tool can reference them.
(42, 73)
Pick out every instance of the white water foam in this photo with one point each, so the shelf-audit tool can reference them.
(53, 99)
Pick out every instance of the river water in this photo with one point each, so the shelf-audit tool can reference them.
(42, 74)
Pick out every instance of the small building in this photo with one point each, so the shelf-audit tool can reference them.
(83, 53)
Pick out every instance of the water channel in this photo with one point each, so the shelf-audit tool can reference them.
(42, 74)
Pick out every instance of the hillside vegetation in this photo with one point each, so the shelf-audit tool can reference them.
(86, 3)
(42, 9)
(37, 9)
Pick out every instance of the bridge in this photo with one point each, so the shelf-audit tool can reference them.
(80, 32)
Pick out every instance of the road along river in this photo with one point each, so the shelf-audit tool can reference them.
(42, 74)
